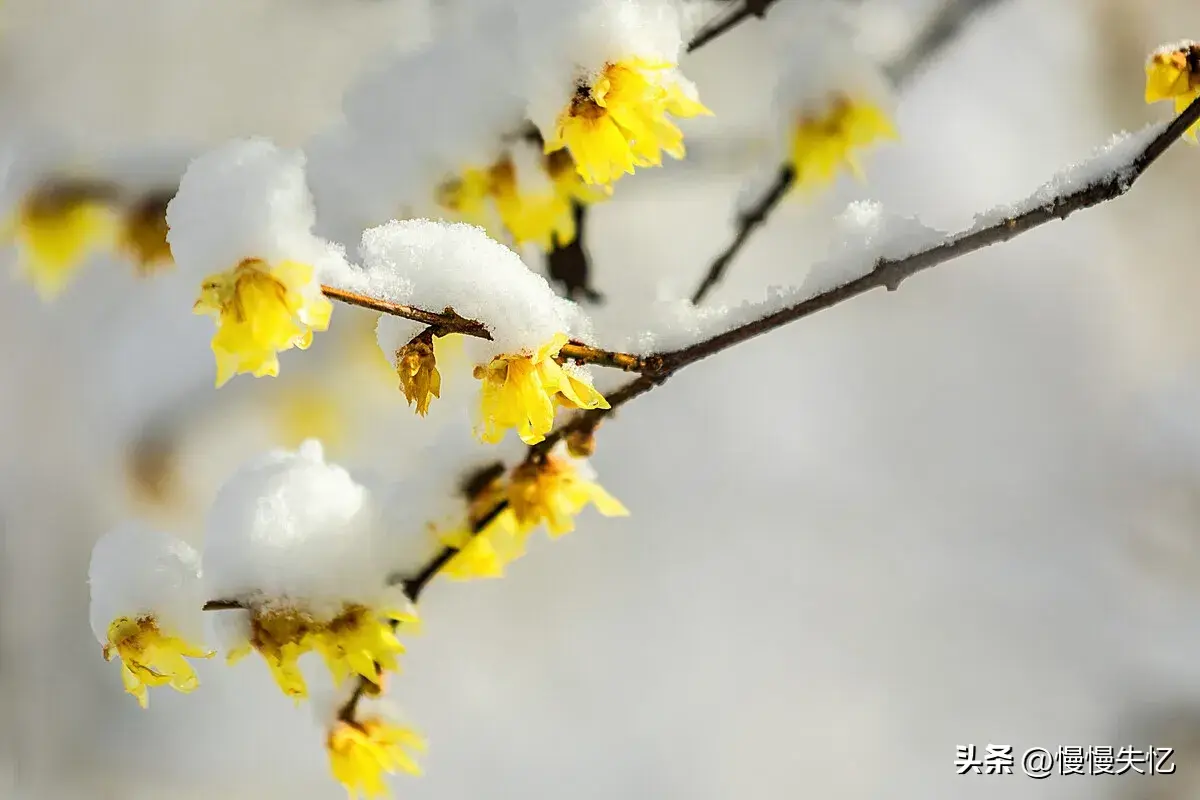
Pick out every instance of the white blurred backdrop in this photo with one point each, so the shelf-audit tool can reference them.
(965, 512)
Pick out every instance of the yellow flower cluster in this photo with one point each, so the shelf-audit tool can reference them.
(151, 657)
(618, 120)
(60, 224)
(823, 143)
(531, 209)
(358, 641)
(546, 489)
(361, 752)
(261, 310)
(522, 391)
(1174, 74)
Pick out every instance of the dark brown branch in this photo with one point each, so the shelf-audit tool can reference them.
(936, 35)
(890, 272)
(569, 266)
(729, 20)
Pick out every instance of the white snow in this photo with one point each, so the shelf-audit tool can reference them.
(136, 572)
(1112, 160)
(246, 199)
(433, 265)
(289, 528)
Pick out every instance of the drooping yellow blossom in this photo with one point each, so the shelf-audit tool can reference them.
(618, 120)
(143, 234)
(358, 641)
(360, 752)
(1174, 74)
(57, 227)
(521, 392)
(420, 380)
(261, 310)
(822, 143)
(542, 215)
(551, 490)
(150, 657)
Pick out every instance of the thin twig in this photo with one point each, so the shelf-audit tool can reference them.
(448, 322)
(889, 273)
(934, 37)
(728, 21)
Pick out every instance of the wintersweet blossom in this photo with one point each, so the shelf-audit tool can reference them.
(146, 608)
(618, 118)
(554, 489)
(823, 142)
(540, 211)
(465, 197)
(297, 544)
(1173, 73)
(151, 657)
(362, 751)
(521, 391)
(143, 234)
(56, 228)
(416, 365)
(357, 641)
(261, 309)
(499, 540)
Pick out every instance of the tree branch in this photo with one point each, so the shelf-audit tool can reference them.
(936, 35)
(728, 21)
(450, 322)
(889, 273)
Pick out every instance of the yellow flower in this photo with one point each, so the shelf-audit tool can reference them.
(419, 377)
(619, 120)
(361, 752)
(501, 541)
(150, 657)
(358, 641)
(1175, 75)
(542, 216)
(521, 391)
(822, 144)
(143, 234)
(551, 490)
(261, 309)
(465, 197)
(57, 227)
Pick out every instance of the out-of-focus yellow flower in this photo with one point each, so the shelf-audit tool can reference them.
(542, 215)
(420, 380)
(360, 752)
(150, 657)
(552, 490)
(358, 641)
(499, 541)
(822, 143)
(465, 196)
(521, 391)
(1174, 74)
(309, 410)
(261, 310)
(619, 121)
(57, 227)
(143, 235)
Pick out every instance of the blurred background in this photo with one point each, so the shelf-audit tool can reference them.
(966, 512)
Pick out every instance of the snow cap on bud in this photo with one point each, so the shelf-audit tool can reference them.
(290, 529)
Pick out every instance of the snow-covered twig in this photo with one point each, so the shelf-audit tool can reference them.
(939, 32)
